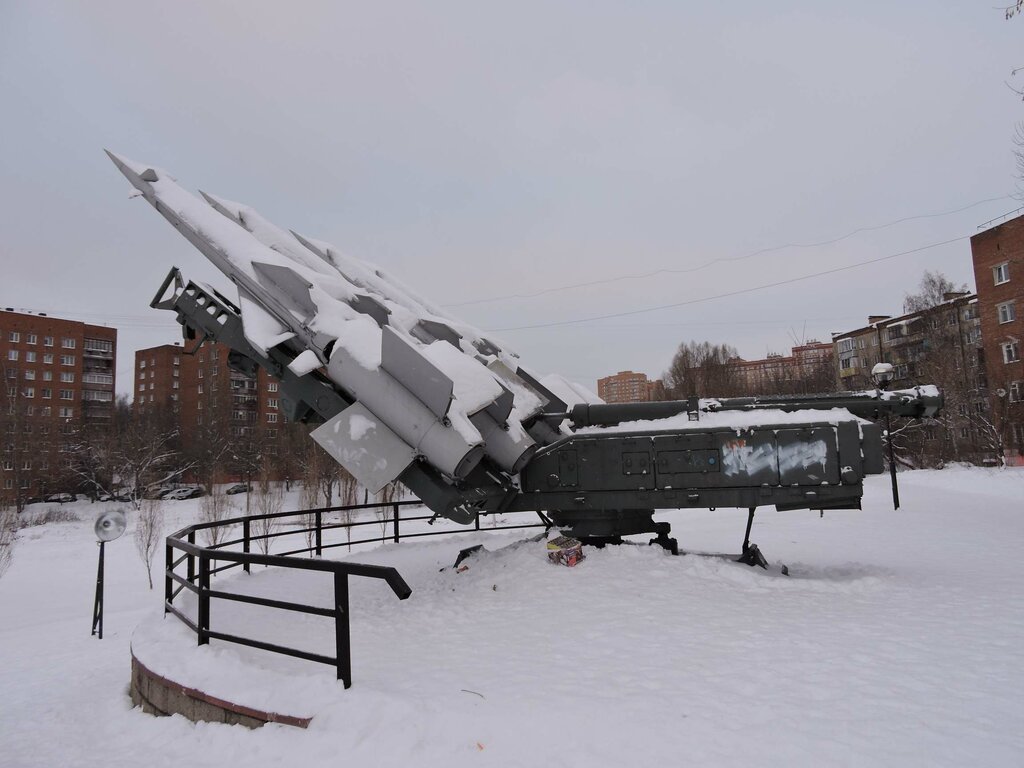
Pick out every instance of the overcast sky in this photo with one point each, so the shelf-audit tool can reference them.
(483, 153)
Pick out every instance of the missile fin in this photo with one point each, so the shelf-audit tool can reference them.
(428, 383)
(289, 284)
(365, 446)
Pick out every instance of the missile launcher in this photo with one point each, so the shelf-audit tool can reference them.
(403, 392)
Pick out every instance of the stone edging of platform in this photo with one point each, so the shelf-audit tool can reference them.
(159, 696)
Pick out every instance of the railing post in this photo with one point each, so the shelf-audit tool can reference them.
(477, 521)
(397, 533)
(245, 542)
(204, 600)
(319, 539)
(168, 581)
(191, 559)
(341, 628)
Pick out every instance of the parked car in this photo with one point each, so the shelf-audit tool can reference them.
(62, 498)
(183, 493)
(238, 488)
(105, 497)
(157, 492)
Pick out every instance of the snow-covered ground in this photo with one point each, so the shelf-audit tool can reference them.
(897, 640)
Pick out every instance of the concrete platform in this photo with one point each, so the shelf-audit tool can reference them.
(158, 695)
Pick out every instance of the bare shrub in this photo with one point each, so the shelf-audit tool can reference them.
(268, 499)
(309, 498)
(8, 533)
(49, 515)
(387, 496)
(149, 530)
(215, 508)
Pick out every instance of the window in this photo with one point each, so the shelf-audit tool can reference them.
(177, 360)
(47, 375)
(1001, 273)
(14, 336)
(67, 343)
(199, 388)
(67, 377)
(67, 359)
(271, 418)
(1018, 435)
(12, 373)
(152, 374)
(271, 433)
(175, 373)
(142, 376)
(98, 378)
(47, 341)
(30, 375)
(45, 411)
(152, 361)
(30, 410)
(142, 387)
(46, 393)
(8, 465)
(200, 376)
(1011, 352)
(26, 463)
(12, 354)
(67, 394)
(142, 364)
(1005, 312)
(846, 345)
(47, 358)
(29, 392)
(98, 345)
(30, 339)
(174, 385)
(1016, 391)
(272, 386)
(151, 398)
(272, 402)
(66, 413)
(30, 357)
(152, 385)
(96, 396)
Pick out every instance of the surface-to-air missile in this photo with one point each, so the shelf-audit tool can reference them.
(403, 392)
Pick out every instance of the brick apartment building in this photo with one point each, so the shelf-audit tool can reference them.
(998, 257)
(59, 381)
(807, 368)
(199, 387)
(630, 387)
(940, 345)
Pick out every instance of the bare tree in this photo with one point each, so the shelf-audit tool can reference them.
(387, 496)
(703, 369)
(8, 533)
(309, 499)
(268, 499)
(144, 449)
(149, 529)
(215, 508)
(931, 292)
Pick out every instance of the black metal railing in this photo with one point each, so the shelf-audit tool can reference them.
(202, 563)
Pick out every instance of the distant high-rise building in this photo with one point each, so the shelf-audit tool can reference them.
(195, 386)
(59, 381)
(629, 387)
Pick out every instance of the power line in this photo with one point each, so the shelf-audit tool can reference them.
(730, 293)
(724, 259)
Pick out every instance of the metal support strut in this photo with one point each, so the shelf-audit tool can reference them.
(751, 554)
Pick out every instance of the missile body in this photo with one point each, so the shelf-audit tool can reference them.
(423, 385)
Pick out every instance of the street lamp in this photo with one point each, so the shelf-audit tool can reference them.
(882, 373)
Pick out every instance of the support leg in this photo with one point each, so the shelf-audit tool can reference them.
(751, 554)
